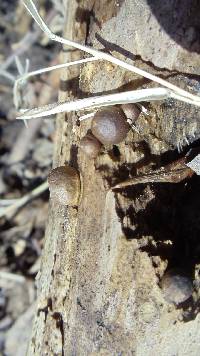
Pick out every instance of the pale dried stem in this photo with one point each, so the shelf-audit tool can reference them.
(87, 116)
(12, 277)
(98, 101)
(25, 76)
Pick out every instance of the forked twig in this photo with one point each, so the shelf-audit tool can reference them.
(173, 91)
(23, 77)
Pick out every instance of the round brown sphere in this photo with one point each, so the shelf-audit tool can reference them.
(90, 145)
(64, 185)
(131, 111)
(109, 125)
(177, 286)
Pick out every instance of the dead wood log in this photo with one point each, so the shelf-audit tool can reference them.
(98, 286)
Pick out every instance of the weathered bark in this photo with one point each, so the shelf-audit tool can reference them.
(98, 287)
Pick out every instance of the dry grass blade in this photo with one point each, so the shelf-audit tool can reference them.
(98, 101)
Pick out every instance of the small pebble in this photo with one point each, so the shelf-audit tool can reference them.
(177, 286)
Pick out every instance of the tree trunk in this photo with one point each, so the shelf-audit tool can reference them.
(98, 287)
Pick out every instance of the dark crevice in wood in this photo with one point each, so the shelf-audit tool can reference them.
(60, 325)
(46, 309)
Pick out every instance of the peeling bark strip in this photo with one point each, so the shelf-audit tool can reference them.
(98, 291)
